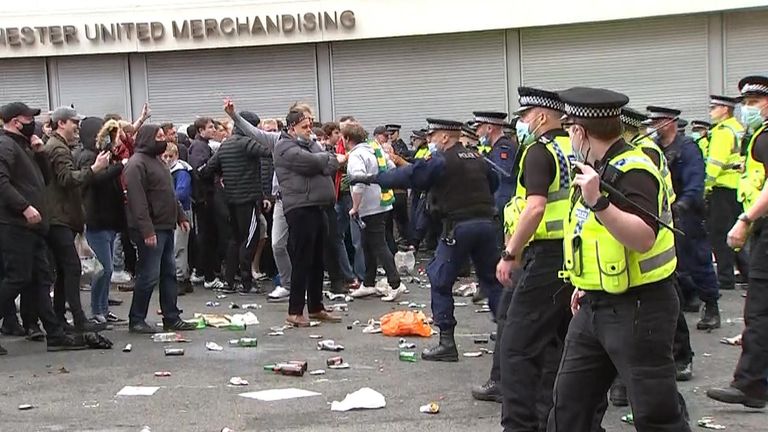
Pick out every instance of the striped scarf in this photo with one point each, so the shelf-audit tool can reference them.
(387, 196)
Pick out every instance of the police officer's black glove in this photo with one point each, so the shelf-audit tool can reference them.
(364, 179)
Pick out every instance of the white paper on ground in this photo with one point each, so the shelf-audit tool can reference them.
(278, 394)
(365, 398)
(248, 318)
(137, 391)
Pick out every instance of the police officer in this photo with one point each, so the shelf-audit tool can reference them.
(621, 262)
(537, 316)
(696, 273)
(461, 186)
(503, 154)
(700, 134)
(723, 171)
(470, 139)
(400, 147)
(422, 227)
(749, 386)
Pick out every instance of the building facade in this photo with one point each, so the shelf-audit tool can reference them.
(392, 61)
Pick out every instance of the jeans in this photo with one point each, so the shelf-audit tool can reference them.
(155, 266)
(280, 245)
(181, 250)
(343, 205)
(308, 228)
(26, 270)
(66, 290)
(102, 243)
(377, 252)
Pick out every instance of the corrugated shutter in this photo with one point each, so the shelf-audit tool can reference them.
(96, 85)
(745, 36)
(661, 61)
(24, 80)
(266, 80)
(405, 80)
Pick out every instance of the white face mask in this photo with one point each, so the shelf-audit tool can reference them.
(432, 146)
(751, 116)
(524, 135)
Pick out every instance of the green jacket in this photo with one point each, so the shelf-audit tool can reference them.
(64, 191)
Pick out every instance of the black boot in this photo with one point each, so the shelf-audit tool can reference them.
(692, 305)
(732, 395)
(82, 325)
(444, 351)
(11, 327)
(618, 395)
(489, 391)
(710, 317)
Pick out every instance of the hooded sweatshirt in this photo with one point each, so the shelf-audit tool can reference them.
(182, 183)
(152, 203)
(103, 197)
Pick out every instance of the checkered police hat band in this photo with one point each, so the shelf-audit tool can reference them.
(716, 101)
(591, 112)
(754, 88)
(541, 101)
(441, 126)
(631, 121)
(490, 120)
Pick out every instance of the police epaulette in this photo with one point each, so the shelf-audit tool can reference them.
(544, 139)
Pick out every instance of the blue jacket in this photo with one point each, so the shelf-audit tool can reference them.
(423, 174)
(686, 165)
(504, 154)
(182, 183)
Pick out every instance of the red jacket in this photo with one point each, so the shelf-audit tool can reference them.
(340, 173)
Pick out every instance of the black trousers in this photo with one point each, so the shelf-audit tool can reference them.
(26, 271)
(724, 208)
(331, 248)
(501, 318)
(129, 252)
(681, 348)
(244, 224)
(630, 334)
(66, 289)
(400, 215)
(206, 234)
(534, 331)
(307, 231)
(377, 252)
(752, 370)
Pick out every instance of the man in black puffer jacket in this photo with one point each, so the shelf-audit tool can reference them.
(238, 162)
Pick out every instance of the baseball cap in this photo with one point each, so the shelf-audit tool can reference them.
(64, 113)
(16, 109)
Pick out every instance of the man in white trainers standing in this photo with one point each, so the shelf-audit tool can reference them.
(372, 205)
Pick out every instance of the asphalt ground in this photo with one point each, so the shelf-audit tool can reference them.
(76, 391)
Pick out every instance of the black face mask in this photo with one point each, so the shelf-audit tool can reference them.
(27, 129)
(160, 147)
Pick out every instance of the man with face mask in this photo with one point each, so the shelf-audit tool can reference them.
(700, 134)
(750, 379)
(723, 170)
(621, 262)
(153, 214)
(460, 185)
(696, 274)
(503, 153)
(536, 318)
(67, 214)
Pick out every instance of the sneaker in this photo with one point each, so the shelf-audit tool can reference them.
(121, 277)
(141, 328)
(393, 294)
(179, 325)
(112, 318)
(258, 276)
(65, 343)
(364, 291)
(279, 293)
(214, 284)
(99, 319)
(195, 279)
(35, 334)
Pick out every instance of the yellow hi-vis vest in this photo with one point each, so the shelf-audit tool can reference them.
(703, 144)
(484, 149)
(596, 261)
(724, 159)
(422, 152)
(551, 225)
(663, 167)
(753, 178)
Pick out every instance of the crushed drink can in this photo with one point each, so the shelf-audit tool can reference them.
(127, 348)
(244, 342)
(430, 408)
(481, 340)
(250, 306)
(334, 361)
(408, 356)
(174, 351)
(166, 337)
(212, 304)
(329, 345)
(236, 327)
(162, 374)
(289, 369)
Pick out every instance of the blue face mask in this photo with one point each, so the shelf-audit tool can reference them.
(696, 136)
(432, 147)
(751, 117)
(524, 135)
(483, 141)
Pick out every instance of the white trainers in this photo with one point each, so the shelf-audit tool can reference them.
(364, 291)
(121, 277)
(195, 279)
(99, 319)
(214, 284)
(393, 294)
(279, 293)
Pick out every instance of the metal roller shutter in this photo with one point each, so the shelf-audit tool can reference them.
(25, 80)
(96, 85)
(266, 80)
(661, 61)
(745, 35)
(405, 80)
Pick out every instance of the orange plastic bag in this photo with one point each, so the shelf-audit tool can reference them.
(405, 323)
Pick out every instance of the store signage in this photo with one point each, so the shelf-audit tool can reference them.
(181, 30)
